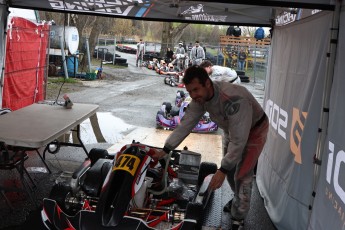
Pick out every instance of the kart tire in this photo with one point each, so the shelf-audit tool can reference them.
(96, 154)
(206, 168)
(60, 193)
(240, 72)
(166, 81)
(194, 211)
(168, 107)
(244, 77)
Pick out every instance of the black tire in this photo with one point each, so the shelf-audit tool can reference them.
(166, 80)
(206, 168)
(245, 80)
(96, 154)
(194, 211)
(240, 72)
(167, 106)
(244, 77)
(61, 193)
(120, 60)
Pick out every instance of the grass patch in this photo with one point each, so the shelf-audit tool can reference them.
(96, 62)
(61, 80)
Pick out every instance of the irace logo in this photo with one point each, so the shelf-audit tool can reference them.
(278, 117)
(335, 161)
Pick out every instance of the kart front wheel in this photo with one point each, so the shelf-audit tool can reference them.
(206, 168)
(96, 154)
(61, 193)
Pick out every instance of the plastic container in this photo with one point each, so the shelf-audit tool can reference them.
(69, 34)
(90, 76)
(72, 64)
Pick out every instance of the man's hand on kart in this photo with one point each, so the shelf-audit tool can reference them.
(217, 180)
(158, 154)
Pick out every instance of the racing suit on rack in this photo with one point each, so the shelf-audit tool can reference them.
(245, 127)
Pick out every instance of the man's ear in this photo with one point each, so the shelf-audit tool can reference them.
(208, 83)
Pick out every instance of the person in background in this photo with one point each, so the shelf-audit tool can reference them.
(180, 49)
(242, 56)
(169, 55)
(167, 69)
(259, 34)
(220, 73)
(230, 31)
(140, 52)
(237, 31)
(179, 54)
(197, 54)
(245, 126)
(189, 48)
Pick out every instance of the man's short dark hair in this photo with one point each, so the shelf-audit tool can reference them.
(195, 72)
(206, 64)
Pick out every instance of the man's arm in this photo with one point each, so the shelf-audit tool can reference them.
(202, 53)
(188, 122)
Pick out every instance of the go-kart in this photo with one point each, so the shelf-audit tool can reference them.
(133, 191)
(174, 80)
(168, 117)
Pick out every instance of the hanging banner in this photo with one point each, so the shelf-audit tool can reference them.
(328, 210)
(293, 101)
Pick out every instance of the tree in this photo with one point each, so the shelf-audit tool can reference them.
(170, 35)
(100, 25)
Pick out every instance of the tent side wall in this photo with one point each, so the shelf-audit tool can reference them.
(329, 205)
(293, 103)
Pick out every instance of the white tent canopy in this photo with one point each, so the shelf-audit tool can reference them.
(256, 13)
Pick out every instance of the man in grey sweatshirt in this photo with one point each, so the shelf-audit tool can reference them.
(245, 127)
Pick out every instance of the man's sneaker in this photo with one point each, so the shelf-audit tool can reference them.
(237, 224)
(227, 207)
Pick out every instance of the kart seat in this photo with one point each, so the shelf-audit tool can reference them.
(95, 176)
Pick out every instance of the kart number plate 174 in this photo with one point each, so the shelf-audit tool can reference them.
(127, 163)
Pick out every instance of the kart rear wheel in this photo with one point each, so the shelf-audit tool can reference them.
(167, 107)
(194, 211)
(206, 168)
(61, 194)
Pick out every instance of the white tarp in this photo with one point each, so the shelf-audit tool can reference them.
(292, 102)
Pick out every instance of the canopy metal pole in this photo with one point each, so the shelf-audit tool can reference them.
(63, 57)
(114, 54)
(4, 17)
(88, 54)
(323, 125)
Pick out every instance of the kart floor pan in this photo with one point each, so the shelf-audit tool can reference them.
(214, 217)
